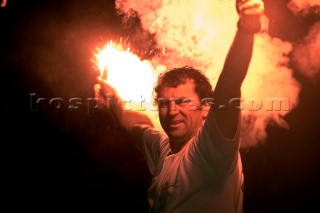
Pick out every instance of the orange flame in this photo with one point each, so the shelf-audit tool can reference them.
(131, 77)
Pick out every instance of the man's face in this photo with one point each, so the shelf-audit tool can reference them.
(179, 112)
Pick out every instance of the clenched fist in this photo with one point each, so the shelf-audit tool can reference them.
(105, 95)
(250, 12)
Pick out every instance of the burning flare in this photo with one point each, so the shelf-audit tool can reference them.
(131, 77)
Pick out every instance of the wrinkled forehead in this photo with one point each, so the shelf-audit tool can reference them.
(185, 90)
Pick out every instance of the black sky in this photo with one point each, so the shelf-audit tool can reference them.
(79, 157)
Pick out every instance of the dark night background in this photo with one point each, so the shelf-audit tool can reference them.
(79, 158)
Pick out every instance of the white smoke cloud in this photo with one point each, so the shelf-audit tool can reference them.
(304, 6)
(306, 54)
(199, 34)
(187, 30)
(269, 90)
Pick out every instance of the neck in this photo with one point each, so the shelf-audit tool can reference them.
(177, 144)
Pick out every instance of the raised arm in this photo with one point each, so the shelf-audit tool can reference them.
(132, 122)
(236, 65)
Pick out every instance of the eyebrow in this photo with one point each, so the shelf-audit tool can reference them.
(175, 98)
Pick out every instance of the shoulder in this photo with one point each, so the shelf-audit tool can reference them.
(147, 134)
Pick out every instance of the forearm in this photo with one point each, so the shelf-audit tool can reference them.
(128, 119)
(132, 122)
(237, 61)
(109, 101)
(236, 65)
(240, 53)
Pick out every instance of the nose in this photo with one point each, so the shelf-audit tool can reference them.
(173, 108)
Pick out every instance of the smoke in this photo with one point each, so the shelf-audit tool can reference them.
(187, 30)
(269, 91)
(304, 6)
(199, 34)
(306, 54)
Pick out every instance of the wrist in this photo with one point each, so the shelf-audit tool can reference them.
(249, 27)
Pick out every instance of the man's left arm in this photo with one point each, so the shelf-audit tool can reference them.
(236, 65)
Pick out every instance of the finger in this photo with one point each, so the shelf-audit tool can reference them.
(252, 12)
(100, 80)
(97, 87)
(251, 4)
(98, 97)
(97, 91)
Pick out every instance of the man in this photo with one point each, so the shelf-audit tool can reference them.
(196, 165)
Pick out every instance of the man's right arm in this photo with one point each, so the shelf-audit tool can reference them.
(134, 123)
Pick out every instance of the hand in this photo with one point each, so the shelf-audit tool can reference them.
(250, 12)
(105, 94)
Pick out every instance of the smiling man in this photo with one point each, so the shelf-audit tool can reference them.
(179, 95)
(196, 165)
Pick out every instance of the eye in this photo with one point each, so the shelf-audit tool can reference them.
(163, 103)
(178, 101)
(183, 101)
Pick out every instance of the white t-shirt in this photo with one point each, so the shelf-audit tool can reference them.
(204, 176)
